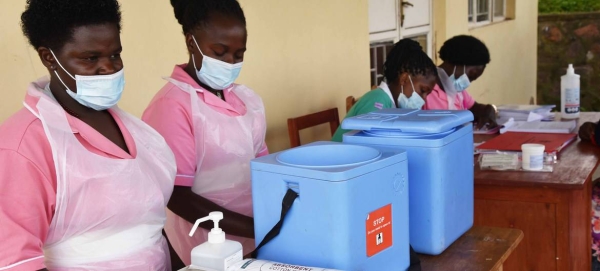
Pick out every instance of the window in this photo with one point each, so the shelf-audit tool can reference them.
(483, 12)
(379, 52)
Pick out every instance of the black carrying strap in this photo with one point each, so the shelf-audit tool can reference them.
(415, 262)
(286, 204)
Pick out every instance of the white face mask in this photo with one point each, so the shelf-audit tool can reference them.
(414, 102)
(462, 82)
(215, 73)
(99, 92)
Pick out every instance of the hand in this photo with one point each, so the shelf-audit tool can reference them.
(586, 131)
(486, 115)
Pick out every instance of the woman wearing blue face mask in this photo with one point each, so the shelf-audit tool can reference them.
(214, 127)
(465, 58)
(83, 185)
(409, 77)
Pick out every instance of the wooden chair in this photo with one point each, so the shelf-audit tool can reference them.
(299, 123)
(350, 101)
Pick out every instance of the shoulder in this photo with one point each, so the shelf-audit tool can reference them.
(21, 128)
(244, 90)
(466, 94)
(373, 100)
(248, 96)
(169, 102)
(376, 96)
(171, 93)
(23, 142)
(436, 99)
(437, 92)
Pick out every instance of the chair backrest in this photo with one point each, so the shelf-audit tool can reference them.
(350, 101)
(298, 123)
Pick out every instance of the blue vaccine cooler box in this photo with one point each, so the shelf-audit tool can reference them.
(351, 212)
(439, 144)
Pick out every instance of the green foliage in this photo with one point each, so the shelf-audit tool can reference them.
(563, 6)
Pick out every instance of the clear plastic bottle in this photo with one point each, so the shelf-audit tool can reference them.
(218, 253)
(569, 94)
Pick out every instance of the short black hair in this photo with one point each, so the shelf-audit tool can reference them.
(407, 56)
(192, 14)
(50, 23)
(465, 50)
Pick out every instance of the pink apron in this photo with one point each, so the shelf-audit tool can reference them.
(224, 147)
(109, 212)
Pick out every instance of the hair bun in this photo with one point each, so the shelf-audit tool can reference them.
(409, 45)
(179, 7)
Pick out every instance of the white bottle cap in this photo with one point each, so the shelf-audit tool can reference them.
(216, 235)
(570, 69)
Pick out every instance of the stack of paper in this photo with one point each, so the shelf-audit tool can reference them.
(525, 112)
(554, 127)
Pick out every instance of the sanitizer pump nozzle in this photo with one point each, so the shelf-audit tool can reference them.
(218, 253)
(216, 235)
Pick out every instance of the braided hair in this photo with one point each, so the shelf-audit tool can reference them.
(50, 23)
(465, 50)
(407, 56)
(192, 14)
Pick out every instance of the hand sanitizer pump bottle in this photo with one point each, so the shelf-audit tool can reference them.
(218, 253)
(569, 94)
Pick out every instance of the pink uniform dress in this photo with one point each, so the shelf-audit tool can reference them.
(213, 142)
(108, 213)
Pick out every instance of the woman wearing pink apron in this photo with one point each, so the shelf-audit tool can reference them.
(213, 126)
(464, 61)
(93, 181)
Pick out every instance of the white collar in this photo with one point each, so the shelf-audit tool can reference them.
(387, 91)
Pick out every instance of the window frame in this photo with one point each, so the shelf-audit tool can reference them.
(492, 18)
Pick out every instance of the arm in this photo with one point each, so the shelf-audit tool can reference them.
(174, 123)
(26, 207)
(484, 114)
(190, 206)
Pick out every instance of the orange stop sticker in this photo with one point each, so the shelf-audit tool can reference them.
(379, 230)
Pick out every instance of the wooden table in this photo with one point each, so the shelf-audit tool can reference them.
(552, 209)
(479, 249)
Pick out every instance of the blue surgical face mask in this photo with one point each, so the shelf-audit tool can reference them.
(99, 92)
(462, 82)
(215, 73)
(414, 102)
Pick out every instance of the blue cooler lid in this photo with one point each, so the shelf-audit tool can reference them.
(408, 122)
(328, 161)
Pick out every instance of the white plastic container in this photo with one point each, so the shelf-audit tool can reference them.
(533, 156)
(569, 94)
(218, 253)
